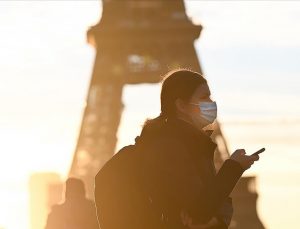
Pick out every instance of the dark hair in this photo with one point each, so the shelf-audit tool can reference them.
(176, 84)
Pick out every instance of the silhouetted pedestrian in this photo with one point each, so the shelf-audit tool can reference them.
(77, 212)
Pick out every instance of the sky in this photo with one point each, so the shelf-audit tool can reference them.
(248, 50)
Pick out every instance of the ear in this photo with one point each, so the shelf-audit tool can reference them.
(180, 106)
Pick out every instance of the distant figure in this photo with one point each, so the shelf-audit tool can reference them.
(168, 180)
(77, 212)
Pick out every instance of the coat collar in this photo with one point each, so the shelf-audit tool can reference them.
(198, 140)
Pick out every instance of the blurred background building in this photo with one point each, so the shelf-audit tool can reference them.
(45, 190)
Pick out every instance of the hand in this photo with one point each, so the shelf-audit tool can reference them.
(244, 160)
(188, 221)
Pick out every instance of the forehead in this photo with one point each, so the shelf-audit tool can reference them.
(202, 91)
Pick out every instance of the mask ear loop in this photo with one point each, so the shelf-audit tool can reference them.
(195, 104)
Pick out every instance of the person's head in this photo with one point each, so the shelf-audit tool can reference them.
(185, 95)
(74, 189)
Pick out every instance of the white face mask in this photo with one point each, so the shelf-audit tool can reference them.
(208, 111)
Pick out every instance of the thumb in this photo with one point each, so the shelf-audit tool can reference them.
(243, 152)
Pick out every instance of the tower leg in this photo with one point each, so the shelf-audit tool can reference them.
(97, 139)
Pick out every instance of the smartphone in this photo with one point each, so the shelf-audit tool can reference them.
(259, 151)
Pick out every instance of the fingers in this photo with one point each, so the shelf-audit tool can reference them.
(246, 161)
(242, 151)
(254, 158)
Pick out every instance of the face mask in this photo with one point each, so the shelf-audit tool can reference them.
(208, 111)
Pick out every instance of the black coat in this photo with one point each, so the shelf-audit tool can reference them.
(179, 174)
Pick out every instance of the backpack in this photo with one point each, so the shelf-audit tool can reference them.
(120, 195)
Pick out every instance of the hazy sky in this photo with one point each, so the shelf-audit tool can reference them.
(249, 51)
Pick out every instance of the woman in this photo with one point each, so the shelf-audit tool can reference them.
(178, 154)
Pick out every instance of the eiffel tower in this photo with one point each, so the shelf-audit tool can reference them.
(136, 41)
